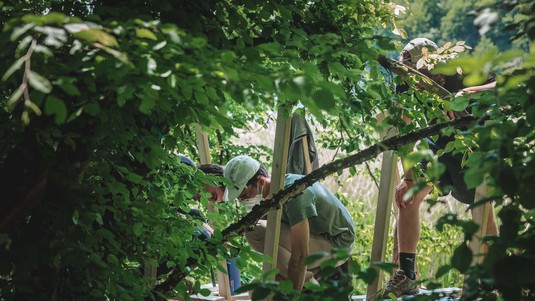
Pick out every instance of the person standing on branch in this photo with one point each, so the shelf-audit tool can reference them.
(403, 281)
(315, 221)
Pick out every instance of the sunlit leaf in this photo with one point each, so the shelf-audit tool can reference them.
(16, 66)
(96, 35)
(145, 34)
(39, 82)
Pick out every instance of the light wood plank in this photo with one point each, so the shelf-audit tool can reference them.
(278, 171)
(204, 157)
(388, 180)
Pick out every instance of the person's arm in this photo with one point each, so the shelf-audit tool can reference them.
(476, 89)
(300, 237)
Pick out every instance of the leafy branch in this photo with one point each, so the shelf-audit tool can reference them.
(405, 71)
(27, 79)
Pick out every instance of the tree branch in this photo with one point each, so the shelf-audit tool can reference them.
(300, 185)
(405, 71)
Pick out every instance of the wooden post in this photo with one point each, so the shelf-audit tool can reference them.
(278, 171)
(204, 157)
(389, 175)
(202, 145)
(480, 215)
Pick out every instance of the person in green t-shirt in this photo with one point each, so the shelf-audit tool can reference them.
(315, 221)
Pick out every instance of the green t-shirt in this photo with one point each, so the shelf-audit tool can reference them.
(325, 213)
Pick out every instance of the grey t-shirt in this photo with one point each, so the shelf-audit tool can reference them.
(325, 213)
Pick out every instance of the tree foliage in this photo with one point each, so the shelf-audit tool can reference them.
(99, 96)
(458, 20)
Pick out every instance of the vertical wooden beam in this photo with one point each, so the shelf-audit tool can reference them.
(480, 215)
(202, 145)
(204, 157)
(278, 171)
(389, 176)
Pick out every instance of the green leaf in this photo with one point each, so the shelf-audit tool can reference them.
(286, 286)
(98, 219)
(96, 35)
(323, 98)
(314, 257)
(247, 287)
(92, 108)
(337, 69)
(67, 85)
(144, 33)
(369, 275)
(54, 18)
(32, 106)
(474, 176)
(133, 177)
(16, 66)
(205, 292)
(462, 258)
(39, 82)
(147, 104)
(137, 229)
(14, 98)
(457, 104)
(56, 106)
(270, 274)
(443, 270)
(411, 160)
(385, 266)
(201, 98)
(261, 293)
(75, 217)
(19, 31)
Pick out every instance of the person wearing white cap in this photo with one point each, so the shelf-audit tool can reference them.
(403, 281)
(315, 221)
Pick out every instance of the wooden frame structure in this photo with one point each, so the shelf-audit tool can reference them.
(389, 178)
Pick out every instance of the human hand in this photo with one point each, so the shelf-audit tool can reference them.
(401, 189)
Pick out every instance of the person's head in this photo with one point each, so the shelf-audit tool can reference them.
(249, 179)
(413, 52)
(216, 192)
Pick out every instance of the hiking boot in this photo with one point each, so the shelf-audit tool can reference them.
(400, 285)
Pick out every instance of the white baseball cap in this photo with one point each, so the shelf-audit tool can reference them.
(415, 47)
(239, 170)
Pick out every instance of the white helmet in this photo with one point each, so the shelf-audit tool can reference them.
(414, 49)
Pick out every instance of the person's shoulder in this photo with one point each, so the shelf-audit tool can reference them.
(293, 176)
(186, 160)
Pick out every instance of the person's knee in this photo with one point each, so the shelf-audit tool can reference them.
(256, 238)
